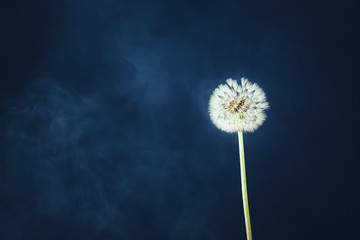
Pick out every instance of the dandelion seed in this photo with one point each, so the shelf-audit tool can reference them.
(235, 107)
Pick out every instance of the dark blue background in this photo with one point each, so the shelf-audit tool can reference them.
(105, 132)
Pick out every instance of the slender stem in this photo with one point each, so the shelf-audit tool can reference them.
(243, 186)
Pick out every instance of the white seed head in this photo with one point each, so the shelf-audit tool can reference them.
(237, 107)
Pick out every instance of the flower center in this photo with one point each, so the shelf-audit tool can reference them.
(236, 106)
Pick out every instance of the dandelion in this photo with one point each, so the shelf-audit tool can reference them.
(239, 108)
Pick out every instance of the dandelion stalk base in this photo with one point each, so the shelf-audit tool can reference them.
(244, 187)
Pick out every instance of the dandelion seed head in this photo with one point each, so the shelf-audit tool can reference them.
(237, 107)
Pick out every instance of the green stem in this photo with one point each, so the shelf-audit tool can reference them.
(243, 186)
